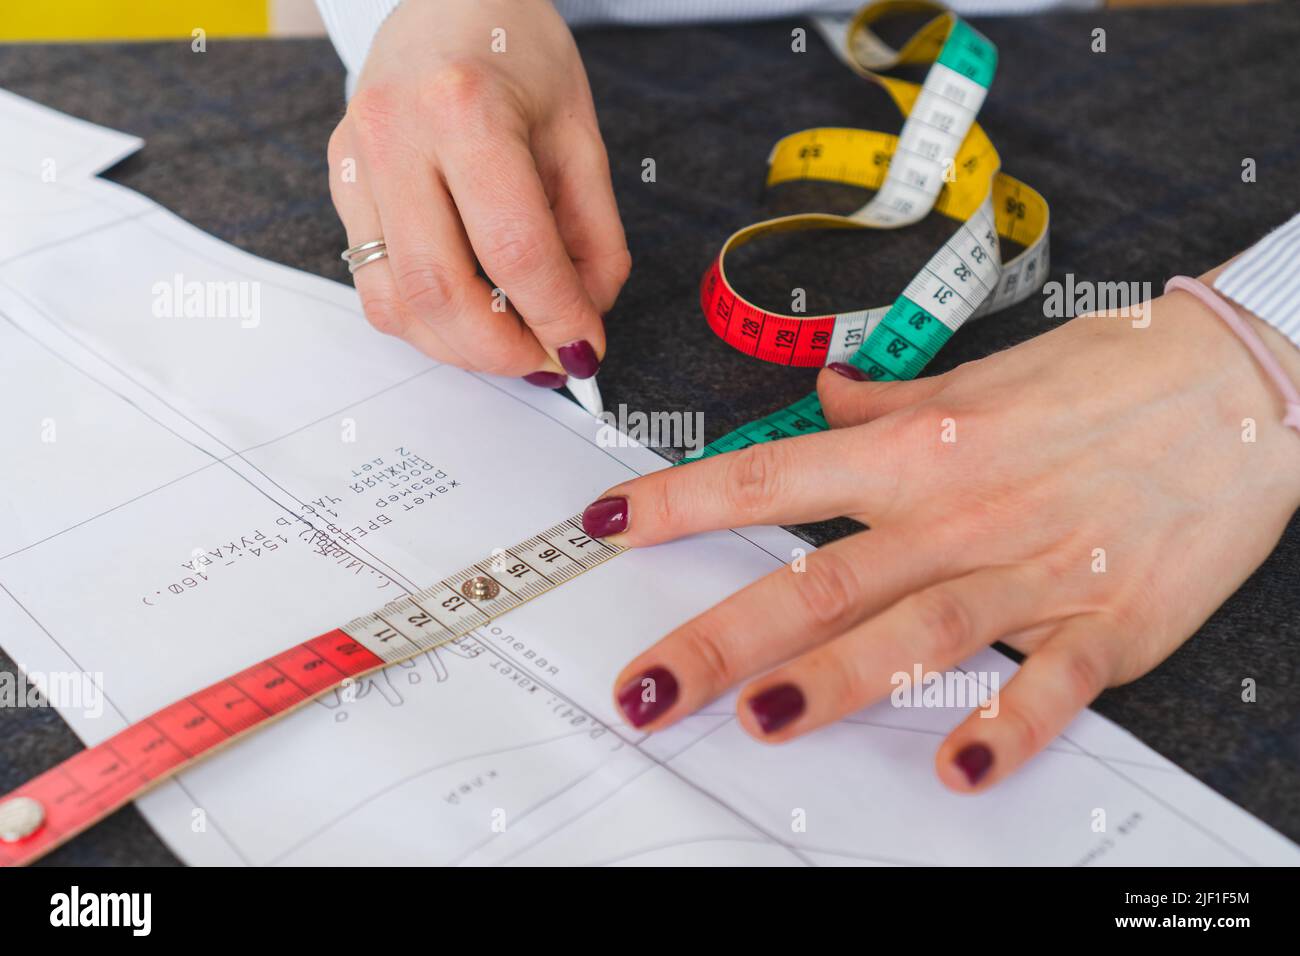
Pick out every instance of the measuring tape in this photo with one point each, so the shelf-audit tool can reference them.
(60, 803)
(941, 160)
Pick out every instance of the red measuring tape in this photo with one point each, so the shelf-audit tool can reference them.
(64, 801)
(84, 789)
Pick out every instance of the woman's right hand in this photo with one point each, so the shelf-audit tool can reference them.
(472, 136)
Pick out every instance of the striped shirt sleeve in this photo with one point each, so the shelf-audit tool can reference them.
(1265, 279)
(352, 25)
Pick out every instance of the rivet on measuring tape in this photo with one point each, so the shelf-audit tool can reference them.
(20, 818)
(480, 588)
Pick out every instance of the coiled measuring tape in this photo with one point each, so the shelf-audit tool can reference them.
(941, 160)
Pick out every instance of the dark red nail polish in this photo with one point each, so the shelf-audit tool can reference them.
(607, 516)
(974, 760)
(646, 697)
(579, 359)
(848, 371)
(546, 379)
(776, 707)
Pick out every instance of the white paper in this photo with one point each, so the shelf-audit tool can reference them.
(137, 443)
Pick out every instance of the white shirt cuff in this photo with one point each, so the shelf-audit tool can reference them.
(1265, 279)
(352, 25)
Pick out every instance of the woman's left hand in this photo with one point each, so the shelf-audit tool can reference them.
(1089, 498)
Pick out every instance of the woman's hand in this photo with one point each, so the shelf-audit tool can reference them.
(472, 135)
(1089, 497)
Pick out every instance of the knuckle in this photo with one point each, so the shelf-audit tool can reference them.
(374, 111)
(753, 479)
(588, 149)
(663, 509)
(1084, 678)
(921, 425)
(336, 147)
(381, 129)
(710, 653)
(384, 314)
(1029, 730)
(843, 406)
(1141, 615)
(945, 628)
(620, 265)
(846, 680)
(828, 588)
(427, 289)
(457, 84)
(1056, 570)
(513, 249)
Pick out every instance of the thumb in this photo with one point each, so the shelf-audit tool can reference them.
(848, 397)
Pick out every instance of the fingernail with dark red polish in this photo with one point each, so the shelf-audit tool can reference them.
(579, 359)
(776, 707)
(646, 697)
(974, 760)
(546, 379)
(607, 516)
(848, 371)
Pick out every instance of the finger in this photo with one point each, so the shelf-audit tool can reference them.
(848, 398)
(791, 481)
(510, 225)
(930, 630)
(434, 269)
(586, 213)
(774, 619)
(350, 190)
(1055, 682)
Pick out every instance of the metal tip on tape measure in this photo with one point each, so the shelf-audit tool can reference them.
(20, 817)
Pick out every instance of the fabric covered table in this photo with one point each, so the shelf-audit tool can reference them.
(1138, 150)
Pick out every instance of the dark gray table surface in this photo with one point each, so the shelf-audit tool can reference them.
(1138, 150)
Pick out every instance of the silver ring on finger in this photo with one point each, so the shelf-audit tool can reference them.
(365, 253)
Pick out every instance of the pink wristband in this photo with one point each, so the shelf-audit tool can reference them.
(1263, 356)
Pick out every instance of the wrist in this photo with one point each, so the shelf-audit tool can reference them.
(1282, 348)
(1245, 394)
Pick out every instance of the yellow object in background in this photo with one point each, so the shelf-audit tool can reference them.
(81, 20)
